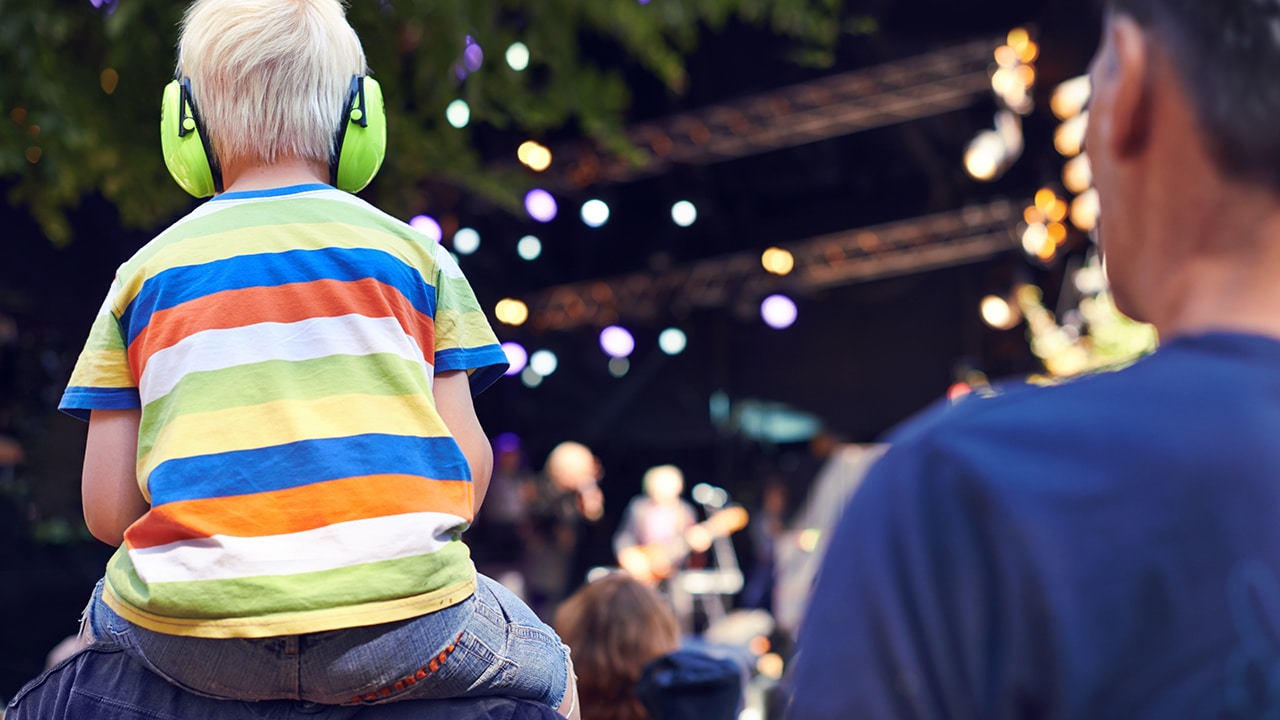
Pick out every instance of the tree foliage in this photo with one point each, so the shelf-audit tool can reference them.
(80, 91)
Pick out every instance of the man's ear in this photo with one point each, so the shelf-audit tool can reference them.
(1127, 124)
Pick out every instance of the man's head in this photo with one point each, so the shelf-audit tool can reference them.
(663, 483)
(1185, 100)
(269, 77)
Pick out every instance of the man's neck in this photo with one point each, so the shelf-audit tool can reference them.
(241, 176)
(1232, 285)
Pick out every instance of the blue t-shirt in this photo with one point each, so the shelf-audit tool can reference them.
(1107, 548)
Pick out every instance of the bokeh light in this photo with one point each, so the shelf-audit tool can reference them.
(617, 341)
(619, 367)
(428, 226)
(778, 311)
(534, 155)
(529, 248)
(466, 241)
(672, 341)
(458, 113)
(778, 261)
(998, 313)
(517, 357)
(510, 311)
(544, 362)
(530, 378)
(473, 55)
(540, 205)
(684, 213)
(595, 213)
(518, 56)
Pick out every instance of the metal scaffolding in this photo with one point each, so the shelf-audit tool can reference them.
(833, 106)
(739, 280)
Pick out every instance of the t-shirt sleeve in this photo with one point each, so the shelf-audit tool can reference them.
(914, 610)
(102, 378)
(464, 339)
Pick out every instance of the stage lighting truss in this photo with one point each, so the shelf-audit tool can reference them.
(835, 106)
(738, 280)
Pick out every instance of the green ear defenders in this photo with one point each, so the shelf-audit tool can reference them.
(358, 149)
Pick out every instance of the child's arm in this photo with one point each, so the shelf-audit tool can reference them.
(109, 486)
(452, 392)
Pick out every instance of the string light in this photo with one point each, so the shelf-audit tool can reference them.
(544, 362)
(428, 226)
(517, 357)
(778, 311)
(529, 248)
(510, 311)
(594, 213)
(684, 213)
(466, 241)
(534, 155)
(777, 261)
(672, 341)
(458, 113)
(517, 56)
(540, 205)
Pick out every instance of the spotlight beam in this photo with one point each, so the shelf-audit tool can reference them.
(843, 258)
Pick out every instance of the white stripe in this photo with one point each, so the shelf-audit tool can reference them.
(347, 544)
(448, 266)
(303, 340)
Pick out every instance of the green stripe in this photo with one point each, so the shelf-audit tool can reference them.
(264, 596)
(258, 216)
(381, 374)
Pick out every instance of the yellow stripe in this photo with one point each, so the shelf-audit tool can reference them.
(102, 369)
(312, 621)
(286, 421)
(209, 248)
(463, 330)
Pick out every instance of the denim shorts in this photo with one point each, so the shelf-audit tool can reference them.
(490, 644)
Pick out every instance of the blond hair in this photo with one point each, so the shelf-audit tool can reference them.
(269, 77)
(615, 626)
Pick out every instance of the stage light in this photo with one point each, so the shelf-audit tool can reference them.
(983, 157)
(458, 113)
(684, 213)
(778, 311)
(619, 367)
(1077, 174)
(777, 261)
(517, 357)
(594, 213)
(1000, 313)
(544, 362)
(617, 341)
(1070, 97)
(529, 248)
(1068, 139)
(540, 205)
(1085, 209)
(511, 312)
(428, 226)
(672, 341)
(534, 155)
(466, 241)
(530, 378)
(1034, 238)
(518, 56)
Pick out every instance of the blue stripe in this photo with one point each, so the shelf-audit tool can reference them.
(272, 192)
(488, 361)
(306, 462)
(192, 282)
(78, 401)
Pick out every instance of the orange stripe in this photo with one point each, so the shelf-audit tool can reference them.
(298, 509)
(281, 304)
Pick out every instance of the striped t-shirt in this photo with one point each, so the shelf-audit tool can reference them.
(281, 345)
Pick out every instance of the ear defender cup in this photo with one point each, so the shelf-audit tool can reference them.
(186, 152)
(361, 142)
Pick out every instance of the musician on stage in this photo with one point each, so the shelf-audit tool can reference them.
(659, 528)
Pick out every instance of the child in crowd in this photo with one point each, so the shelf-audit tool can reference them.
(282, 440)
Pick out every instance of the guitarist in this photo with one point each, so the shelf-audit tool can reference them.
(659, 529)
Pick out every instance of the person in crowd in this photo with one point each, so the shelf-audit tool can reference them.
(499, 533)
(1108, 547)
(628, 646)
(282, 440)
(657, 533)
(566, 498)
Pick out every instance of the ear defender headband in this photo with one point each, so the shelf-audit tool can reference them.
(358, 149)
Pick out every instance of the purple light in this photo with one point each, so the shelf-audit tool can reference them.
(617, 342)
(517, 356)
(778, 311)
(540, 205)
(428, 226)
(473, 57)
